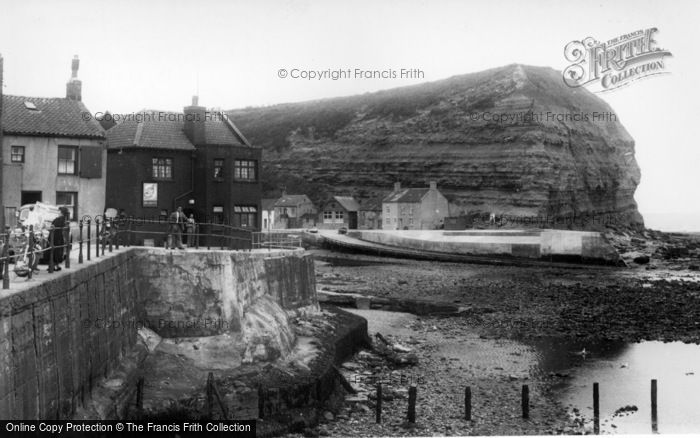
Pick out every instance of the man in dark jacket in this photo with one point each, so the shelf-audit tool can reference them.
(59, 233)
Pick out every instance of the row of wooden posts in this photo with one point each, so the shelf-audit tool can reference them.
(525, 405)
(212, 393)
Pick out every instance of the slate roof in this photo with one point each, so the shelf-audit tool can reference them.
(292, 200)
(165, 130)
(268, 203)
(53, 117)
(406, 195)
(372, 204)
(347, 202)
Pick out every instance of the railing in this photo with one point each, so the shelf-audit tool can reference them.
(270, 240)
(26, 248)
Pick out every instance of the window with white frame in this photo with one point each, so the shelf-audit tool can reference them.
(17, 154)
(67, 160)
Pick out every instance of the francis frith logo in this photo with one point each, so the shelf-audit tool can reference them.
(606, 66)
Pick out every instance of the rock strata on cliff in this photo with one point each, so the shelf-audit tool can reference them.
(513, 140)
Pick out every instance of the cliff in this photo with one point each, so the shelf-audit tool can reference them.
(513, 140)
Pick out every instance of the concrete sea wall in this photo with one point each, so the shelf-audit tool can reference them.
(60, 334)
(533, 244)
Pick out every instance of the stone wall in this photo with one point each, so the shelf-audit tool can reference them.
(55, 340)
(61, 334)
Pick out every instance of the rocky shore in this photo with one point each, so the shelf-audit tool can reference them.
(502, 309)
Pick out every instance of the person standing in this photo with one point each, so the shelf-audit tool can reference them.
(177, 221)
(59, 239)
(190, 230)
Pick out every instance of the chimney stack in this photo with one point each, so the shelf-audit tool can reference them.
(195, 116)
(433, 185)
(74, 87)
(397, 186)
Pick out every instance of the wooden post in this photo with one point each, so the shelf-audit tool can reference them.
(526, 402)
(654, 413)
(80, 242)
(210, 396)
(596, 409)
(51, 233)
(111, 234)
(379, 403)
(468, 403)
(88, 240)
(412, 395)
(139, 394)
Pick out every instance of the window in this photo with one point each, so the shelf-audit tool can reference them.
(162, 168)
(327, 215)
(218, 168)
(17, 154)
(387, 220)
(70, 201)
(339, 215)
(245, 216)
(218, 211)
(245, 170)
(67, 160)
(388, 210)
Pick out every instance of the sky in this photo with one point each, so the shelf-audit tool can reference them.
(157, 54)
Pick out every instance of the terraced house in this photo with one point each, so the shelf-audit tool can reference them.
(52, 153)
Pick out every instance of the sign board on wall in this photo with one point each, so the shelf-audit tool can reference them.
(150, 194)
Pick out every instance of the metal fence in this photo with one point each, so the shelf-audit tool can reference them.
(24, 248)
(269, 240)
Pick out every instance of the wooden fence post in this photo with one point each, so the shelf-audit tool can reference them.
(379, 404)
(210, 396)
(412, 396)
(654, 413)
(468, 403)
(596, 409)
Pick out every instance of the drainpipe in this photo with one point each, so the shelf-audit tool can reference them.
(191, 190)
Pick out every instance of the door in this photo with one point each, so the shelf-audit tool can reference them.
(352, 220)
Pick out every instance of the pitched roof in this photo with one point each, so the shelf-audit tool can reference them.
(406, 195)
(165, 130)
(150, 129)
(291, 200)
(48, 117)
(347, 202)
(372, 204)
(268, 203)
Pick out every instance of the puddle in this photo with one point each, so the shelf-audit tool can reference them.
(624, 372)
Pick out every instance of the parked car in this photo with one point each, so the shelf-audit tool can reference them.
(343, 230)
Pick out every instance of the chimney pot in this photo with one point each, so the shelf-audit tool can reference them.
(397, 186)
(433, 185)
(195, 100)
(74, 87)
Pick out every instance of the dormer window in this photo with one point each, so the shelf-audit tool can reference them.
(30, 106)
